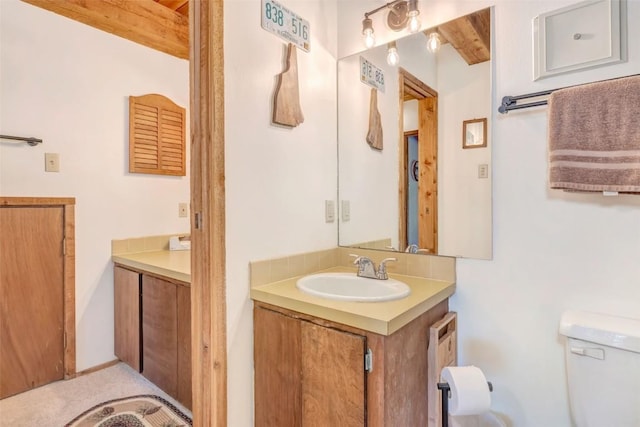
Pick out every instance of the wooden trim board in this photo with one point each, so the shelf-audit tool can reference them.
(208, 309)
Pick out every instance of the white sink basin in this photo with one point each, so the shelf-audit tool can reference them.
(350, 287)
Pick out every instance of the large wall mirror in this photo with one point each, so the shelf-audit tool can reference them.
(428, 189)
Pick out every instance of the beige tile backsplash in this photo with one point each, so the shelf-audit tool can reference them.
(274, 270)
(142, 244)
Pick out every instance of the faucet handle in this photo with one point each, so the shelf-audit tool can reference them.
(357, 258)
(382, 269)
(412, 248)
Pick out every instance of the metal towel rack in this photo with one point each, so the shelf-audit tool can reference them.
(29, 140)
(511, 102)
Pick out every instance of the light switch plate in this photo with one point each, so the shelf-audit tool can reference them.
(345, 209)
(483, 171)
(329, 211)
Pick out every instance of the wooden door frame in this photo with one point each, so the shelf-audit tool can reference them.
(410, 87)
(69, 270)
(208, 254)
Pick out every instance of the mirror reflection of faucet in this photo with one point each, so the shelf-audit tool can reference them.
(414, 249)
(367, 268)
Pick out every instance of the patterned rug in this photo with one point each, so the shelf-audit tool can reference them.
(144, 410)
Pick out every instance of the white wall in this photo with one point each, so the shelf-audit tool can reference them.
(276, 178)
(68, 84)
(368, 177)
(552, 250)
(464, 200)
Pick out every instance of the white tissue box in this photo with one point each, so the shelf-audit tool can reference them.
(180, 243)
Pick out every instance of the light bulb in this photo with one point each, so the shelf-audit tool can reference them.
(369, 38)
(392, 56)
(367, 32)
(433, 43)
(414, 23)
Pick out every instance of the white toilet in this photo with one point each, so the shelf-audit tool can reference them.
(603, 369)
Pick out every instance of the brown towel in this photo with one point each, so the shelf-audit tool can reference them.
(594, 136)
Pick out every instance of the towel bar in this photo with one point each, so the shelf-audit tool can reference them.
(29, 140)
(511, 102)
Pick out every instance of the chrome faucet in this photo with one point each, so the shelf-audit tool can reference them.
(366, 267)
(414, 249)
(382, 270)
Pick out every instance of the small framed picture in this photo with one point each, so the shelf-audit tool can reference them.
(474, 133)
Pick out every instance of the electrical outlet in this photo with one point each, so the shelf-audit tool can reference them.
(52, 162)
(483, 171)
(329, 211)
(183, 210)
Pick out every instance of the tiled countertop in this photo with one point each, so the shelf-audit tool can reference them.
(380, 317)
(170, 264)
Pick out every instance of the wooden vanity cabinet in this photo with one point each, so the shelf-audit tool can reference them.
(127, 316)
(153, 330)
(311, 372)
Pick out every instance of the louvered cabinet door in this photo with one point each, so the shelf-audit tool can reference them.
(156, 136)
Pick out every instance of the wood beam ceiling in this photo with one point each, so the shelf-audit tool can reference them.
(469, 35)
(142, 21)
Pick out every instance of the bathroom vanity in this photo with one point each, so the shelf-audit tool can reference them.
(153, 320)
(321, 362)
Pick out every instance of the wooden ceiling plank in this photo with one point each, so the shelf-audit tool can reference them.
(177, 5)
(464, 38)
(142, 21)
(469, 35)
(481, 23)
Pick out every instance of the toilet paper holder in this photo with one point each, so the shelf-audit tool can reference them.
(445, 389)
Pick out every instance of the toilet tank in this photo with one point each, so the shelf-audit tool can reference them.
(602, 354)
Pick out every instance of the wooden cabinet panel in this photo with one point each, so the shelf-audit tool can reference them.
(127, 316)
(153, 330)
(31, 297)
(277, 359)
(310, 372)
(333, 377)
(160, 333)
(184, 345)
(307, 375)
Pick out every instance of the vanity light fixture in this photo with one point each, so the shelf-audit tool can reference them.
(433, 42)
(367, 32)
(414, 21)
(402, 14)
(393, 58)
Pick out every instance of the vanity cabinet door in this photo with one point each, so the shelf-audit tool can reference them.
(184, 344)
(127, 316)
(307, 375)
(153, 330)
(160, 333)
(333, 377)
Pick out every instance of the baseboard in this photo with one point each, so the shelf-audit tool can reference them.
(97, 368)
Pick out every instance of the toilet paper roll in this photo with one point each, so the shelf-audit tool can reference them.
(469, 390)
